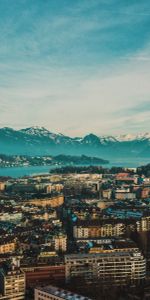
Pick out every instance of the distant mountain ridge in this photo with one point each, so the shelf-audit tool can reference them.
(40, 141)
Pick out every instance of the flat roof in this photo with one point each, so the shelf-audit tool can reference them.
(122, 253)
(55, 291)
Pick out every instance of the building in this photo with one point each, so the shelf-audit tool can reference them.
(11, 217)
(143, 224)
(124, 195)
(145, 192)
(52, 201)
(41, 275)
(2, 186)
(118, 268)
(96, 228)
(105, 245)
(12, 282)
(7, 246)
(125, 178)
(23, 188)
(113, 245)
(53, 293)
(53, 188)
(60, 242)
(106, 194)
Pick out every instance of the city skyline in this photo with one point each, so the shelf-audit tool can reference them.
(75, 67)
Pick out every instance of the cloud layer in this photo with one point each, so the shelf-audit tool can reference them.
(75, 66)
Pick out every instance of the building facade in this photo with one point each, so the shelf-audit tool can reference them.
(91, 230)
(118, 268)
(12, 283)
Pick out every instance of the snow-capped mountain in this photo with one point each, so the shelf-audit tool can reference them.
(40, 141)
(133, 137)
(108, 139)
(35, 130)
(42, 132)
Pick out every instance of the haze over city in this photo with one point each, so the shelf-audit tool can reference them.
(75, 66)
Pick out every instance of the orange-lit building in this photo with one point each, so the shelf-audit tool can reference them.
(2, 186)
(7, 247)
(52, 202)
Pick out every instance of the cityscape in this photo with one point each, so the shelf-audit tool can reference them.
(74, 150)
(74, 234)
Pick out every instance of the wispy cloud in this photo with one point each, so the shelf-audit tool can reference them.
(75, 67)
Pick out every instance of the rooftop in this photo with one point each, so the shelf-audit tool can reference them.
(133, 253)
(63, 294)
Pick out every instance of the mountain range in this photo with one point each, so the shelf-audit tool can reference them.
(40, 141)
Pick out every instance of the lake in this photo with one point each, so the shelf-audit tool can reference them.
(34, 170)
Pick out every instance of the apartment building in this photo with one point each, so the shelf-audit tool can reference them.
(96, 228)
(118, 268)
(143, 224)
(60, 242)
(12, 283)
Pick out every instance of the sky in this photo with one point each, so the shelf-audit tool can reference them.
(75, 66)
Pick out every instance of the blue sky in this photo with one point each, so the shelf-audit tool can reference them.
(75, 66)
